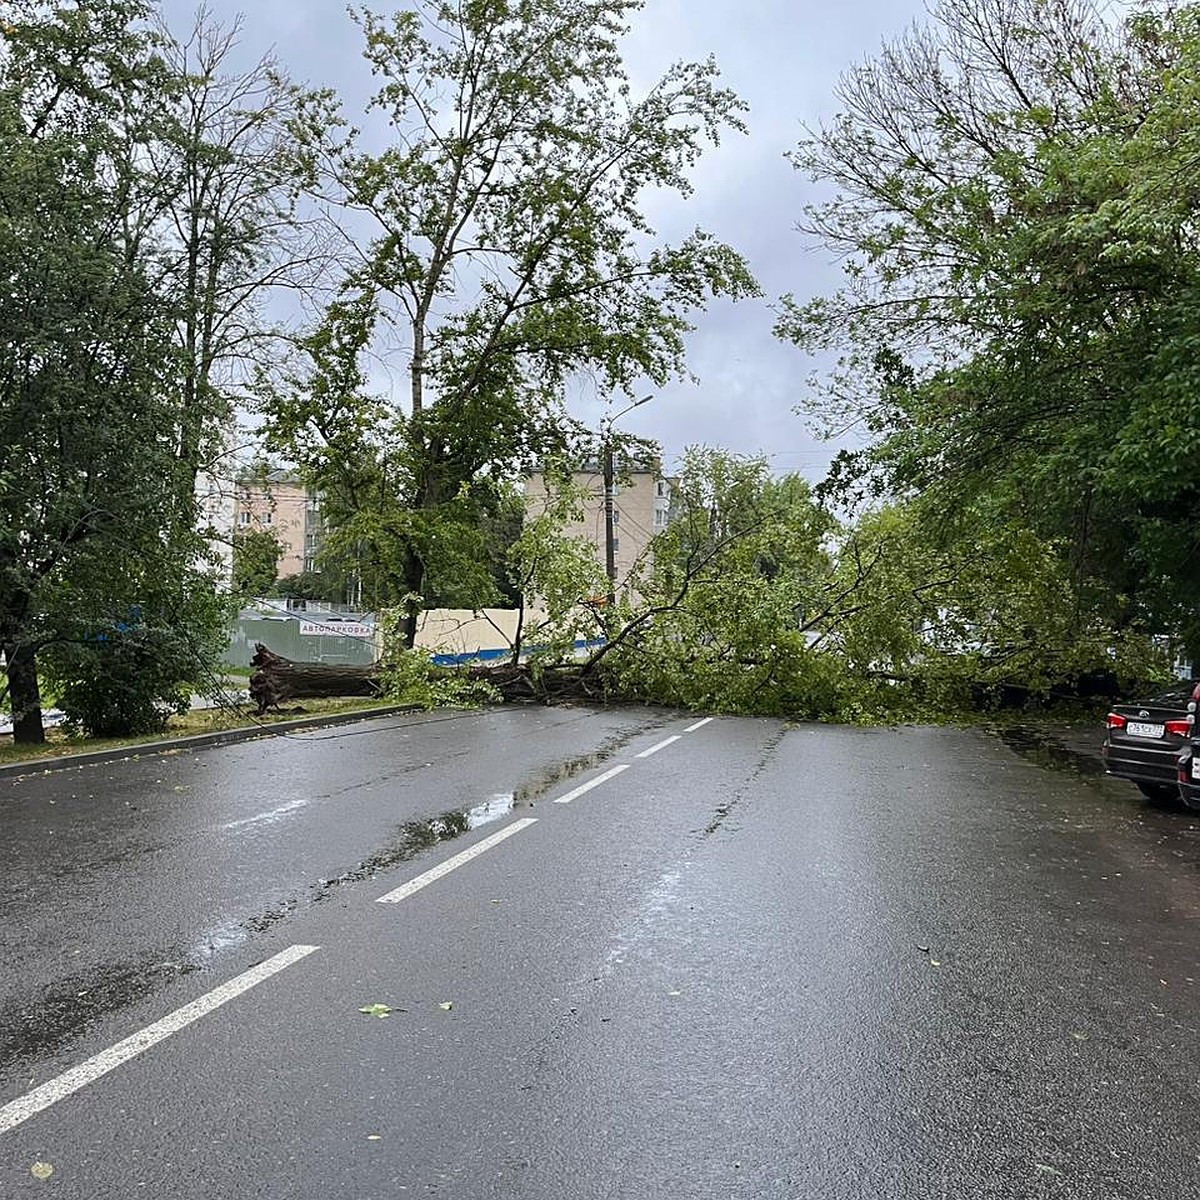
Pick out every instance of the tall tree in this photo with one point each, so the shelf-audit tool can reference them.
(510, 252)
(1012, 199)
(90, 523)
(222, 209)
(256, 555)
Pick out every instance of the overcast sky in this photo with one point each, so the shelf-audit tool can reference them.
(784, 58)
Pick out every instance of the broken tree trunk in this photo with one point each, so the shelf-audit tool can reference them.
(277, 679)
(557, 684)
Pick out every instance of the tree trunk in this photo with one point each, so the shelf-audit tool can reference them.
(563, 683)
(24, 695)
(277, 679)
(414, 582)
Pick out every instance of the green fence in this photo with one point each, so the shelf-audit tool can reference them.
(302, 638)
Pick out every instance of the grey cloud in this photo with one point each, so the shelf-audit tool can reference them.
(784, 58)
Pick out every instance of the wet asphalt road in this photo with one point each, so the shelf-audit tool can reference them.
(762, 962)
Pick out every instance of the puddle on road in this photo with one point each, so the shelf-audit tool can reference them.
(500, 805)
(1043, 748)
(547, 779)
(72, 1005)
(414, 837)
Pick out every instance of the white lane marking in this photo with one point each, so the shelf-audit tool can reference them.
(54, 1090)
(698, 725)
(435, 873)
(661, 746)
(265, 818)
(587, 787)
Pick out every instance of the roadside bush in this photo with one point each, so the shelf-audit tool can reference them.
(125, 677)
(127, 684)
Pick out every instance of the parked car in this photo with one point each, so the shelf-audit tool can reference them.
(1144, 740)
(1188, 764)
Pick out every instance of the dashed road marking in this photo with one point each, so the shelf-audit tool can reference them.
(591, 783)
(54, 1090)
(435, 873)
(661, 746)
(20, 1110)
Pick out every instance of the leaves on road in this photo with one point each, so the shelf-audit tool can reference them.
(376, 1010)
(41, 1170)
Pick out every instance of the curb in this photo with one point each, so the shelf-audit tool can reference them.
(198, 741)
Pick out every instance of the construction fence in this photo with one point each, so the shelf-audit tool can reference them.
(452, 634)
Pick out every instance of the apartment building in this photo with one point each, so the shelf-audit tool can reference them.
(215, 519)
(216, 491)
(279, 503)
(641, 508)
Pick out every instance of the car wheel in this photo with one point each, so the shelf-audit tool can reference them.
(1163, 794)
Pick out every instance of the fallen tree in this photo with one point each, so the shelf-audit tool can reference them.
(556, 683)
(277, 679)
(754, 601)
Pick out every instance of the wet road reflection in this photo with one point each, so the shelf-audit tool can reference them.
(117, 884)
(65, 1011)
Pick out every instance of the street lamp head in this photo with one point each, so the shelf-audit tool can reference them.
(628, 408)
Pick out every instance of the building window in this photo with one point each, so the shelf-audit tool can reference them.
(268, 517)
(616, 516)
(616, 544)
(660, 488)
(244, 518)
(660, 518)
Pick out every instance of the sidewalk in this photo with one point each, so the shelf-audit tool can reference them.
(199, 741)
(50, 718)
(235, 691)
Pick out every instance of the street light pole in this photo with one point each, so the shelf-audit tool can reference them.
(610, 548)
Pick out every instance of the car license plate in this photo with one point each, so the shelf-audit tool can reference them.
(1143, 729)
(1195, 767)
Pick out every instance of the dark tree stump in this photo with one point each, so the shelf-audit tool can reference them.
(277, 679)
